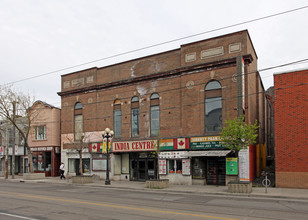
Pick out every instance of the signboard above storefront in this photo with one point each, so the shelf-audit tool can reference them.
(172, 155)
(174, 144)
(134, 146)
(208, 142)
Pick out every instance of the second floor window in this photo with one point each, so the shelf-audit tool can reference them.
(78, 121)
(213, 107)
(154, 114)
(40, 132)
(135, 116)
(117, 118)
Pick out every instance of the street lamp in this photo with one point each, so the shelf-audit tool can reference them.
(107, 134)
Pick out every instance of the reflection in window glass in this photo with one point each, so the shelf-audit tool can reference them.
(154, 120)
(40, 133)
(78, 127)
(175, 166)
(213, 114)
(117, 123)
(135, 122)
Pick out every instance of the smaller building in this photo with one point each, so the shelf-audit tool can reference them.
(11, 139)
(44, 138)
(291, 129)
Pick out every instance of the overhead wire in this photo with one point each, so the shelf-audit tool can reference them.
(160, 44)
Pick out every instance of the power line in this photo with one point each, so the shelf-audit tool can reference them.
(160, 44)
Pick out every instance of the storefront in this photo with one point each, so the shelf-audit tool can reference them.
(208, 160)
(135, 160)
(46, 160)
(174, 163)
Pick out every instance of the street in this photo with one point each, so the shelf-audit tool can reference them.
(55, 201)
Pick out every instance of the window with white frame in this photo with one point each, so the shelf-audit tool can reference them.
(40, 132)
(175, 166)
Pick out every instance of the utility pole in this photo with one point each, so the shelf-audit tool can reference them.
(7, 155)
(13, 151)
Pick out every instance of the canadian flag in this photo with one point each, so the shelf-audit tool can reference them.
(181, 143)
(94, 147)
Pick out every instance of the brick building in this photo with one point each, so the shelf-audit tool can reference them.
(291, 129)
(173, 102)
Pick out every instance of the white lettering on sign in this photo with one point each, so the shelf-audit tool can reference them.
(147, 145)
(205, 139)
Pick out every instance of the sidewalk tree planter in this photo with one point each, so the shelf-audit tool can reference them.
(238, 135)
(82, 179)
(239, 187)
(33, 176)
(157, 184)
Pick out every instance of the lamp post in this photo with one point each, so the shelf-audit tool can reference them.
(107, 134)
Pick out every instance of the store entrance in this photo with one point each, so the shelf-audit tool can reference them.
(216, 173)
(142, 169)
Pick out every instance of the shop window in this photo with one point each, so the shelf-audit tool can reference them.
(78, 120)
(40, 132)
(154, 114)
(213, 107)
(175, 166)
(199, 168)
(73, 166)
(117, 118)
(41, 161)
(135, 116)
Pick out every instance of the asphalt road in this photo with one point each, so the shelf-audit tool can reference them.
(53, 201)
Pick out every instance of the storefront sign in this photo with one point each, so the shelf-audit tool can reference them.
(162, 166)
(131, 146)
(33, 149)
(244, 164)
(231, 166)
(172, 154)
(209, 142)
(186, 166)
(174, 144)
(99, 147)
(1, 151)
(19, 150)
(166, 144)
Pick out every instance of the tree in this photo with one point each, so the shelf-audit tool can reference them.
(12, 101)
(79, 146)
(239, 135)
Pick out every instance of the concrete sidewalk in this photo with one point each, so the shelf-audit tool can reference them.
(286, 193)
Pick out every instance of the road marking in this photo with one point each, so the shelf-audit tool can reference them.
(17, 216)
(113, 206)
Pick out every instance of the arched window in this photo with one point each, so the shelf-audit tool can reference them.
(154, 114)
(213, 107)
(78, 120)
(117, 118)
(135, 116)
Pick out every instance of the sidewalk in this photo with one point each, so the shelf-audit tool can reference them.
(282, 193)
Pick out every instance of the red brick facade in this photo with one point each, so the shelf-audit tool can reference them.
(291, 129)
(179, 78)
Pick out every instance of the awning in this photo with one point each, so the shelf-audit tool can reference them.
(210, 153)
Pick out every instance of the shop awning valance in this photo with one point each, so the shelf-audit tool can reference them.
(212, 153)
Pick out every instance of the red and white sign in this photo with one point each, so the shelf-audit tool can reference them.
(181, 143)
(1, 151)
(162, 166)
(131, 146)
(94, 147)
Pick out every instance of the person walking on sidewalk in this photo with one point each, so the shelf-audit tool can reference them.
(62, 171)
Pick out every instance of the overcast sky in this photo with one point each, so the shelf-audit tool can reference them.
(39, 37)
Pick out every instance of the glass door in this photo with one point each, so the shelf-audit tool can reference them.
(141, 170)
(133, 169)
(216, 173)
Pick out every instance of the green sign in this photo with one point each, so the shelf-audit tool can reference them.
(205, 143)
(231, 166)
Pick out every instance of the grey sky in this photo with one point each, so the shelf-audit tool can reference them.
(38, 37)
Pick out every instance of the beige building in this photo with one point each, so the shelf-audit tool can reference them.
(44, 138)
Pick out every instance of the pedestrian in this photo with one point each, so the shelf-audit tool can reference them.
(62, 171)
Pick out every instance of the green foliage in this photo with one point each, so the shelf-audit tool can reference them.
(239, 135)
